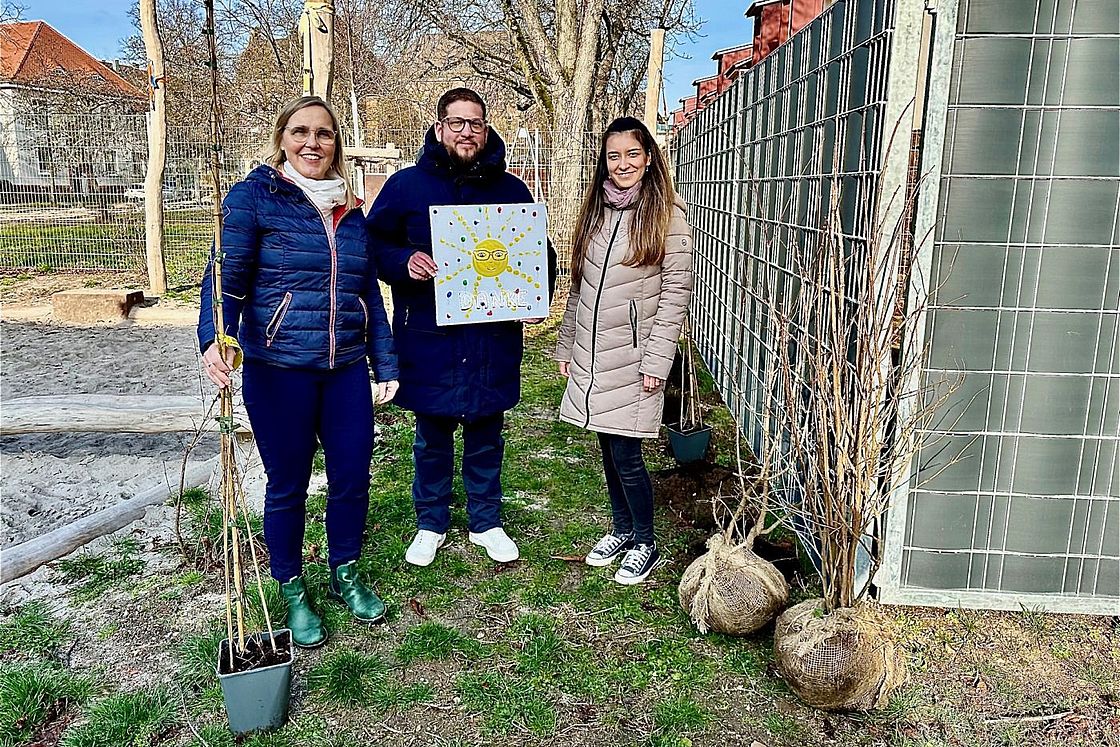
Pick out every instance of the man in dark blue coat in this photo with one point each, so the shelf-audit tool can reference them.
(465, 375)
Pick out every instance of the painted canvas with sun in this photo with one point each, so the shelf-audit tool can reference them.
(493, 262)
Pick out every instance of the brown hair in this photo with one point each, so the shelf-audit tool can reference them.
(276, 154)
(652, 212)
(458, 94)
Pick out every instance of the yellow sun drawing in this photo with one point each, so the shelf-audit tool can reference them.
(490, 256)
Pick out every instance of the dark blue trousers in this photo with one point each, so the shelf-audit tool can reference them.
(629, 486)
(433, 451)
(291, 411)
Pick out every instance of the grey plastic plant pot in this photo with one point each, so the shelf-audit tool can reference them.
(690, 447)
(257, 700)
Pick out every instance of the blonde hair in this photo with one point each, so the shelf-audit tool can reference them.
(276, 153)
(653, 210)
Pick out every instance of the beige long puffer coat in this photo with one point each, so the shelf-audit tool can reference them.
(622, 323)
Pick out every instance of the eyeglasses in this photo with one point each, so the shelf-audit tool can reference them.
(301, 133)
(456, 124)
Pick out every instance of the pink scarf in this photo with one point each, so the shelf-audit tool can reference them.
(618, 198)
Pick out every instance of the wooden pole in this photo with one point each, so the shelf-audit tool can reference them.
(19, 560)
(653, 77)
(316, 28)
(104, 413)
(157, 149)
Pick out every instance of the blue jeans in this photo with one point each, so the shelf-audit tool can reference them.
(293, 410)
(434, 456)
(629, 487)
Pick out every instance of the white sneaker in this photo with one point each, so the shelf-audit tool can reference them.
(497, 543)
(422, 551)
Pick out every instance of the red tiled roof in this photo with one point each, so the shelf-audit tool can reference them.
(729, 50)
(34, 53)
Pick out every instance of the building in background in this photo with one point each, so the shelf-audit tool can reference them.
(66, 118)
(775, 21)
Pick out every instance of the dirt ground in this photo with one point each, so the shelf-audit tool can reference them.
(32, 288)
(50, 479)
(977, 679)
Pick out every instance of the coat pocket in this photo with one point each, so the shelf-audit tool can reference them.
(634, 322)
(365, 318)
(277, 319)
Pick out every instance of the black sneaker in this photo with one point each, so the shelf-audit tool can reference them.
(608, 548)
(637, 564)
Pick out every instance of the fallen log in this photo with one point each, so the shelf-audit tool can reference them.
(19, 560)
(98, 413)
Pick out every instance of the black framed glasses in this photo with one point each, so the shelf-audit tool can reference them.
(456, 124)
(321, 134)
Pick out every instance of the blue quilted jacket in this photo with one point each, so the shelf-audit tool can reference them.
(293, 295)
(467, 370)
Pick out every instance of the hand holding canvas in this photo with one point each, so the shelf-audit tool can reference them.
(421, 266)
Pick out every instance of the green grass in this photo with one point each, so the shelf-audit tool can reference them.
(117, 244)
(347, 676)
(782, 726)
(433, 641)
(203, 519)
(1033, 620)
(676, 717)
(551, 662)
(300, 731)
(96, 573)
(132, 719)
(32, 694)
(33, 631)
(505, 702)
(666, 661)
(198, 657)
(545, 651)
(352, 678)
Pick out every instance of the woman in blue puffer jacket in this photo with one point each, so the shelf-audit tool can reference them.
(300, 298)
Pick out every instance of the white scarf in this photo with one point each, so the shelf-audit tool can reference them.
(324, 193)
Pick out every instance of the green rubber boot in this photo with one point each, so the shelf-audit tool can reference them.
(347, 588)
(307, 628)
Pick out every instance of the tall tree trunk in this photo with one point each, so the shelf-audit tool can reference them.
(574, 84)
(157, 150)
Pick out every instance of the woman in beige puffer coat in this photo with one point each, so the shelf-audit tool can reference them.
(631, 286)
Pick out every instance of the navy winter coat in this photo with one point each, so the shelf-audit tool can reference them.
(465, 371)
(292, 295)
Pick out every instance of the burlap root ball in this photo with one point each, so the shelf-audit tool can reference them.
(731, 590)
(843, 661)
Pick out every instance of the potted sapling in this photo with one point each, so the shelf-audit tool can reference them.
(689, 438)
(254, 668)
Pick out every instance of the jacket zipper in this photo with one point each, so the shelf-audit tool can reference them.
(277, 319)
(334, 272)
(595, 323)
(334, 281)
(365, 315)
(634, 321)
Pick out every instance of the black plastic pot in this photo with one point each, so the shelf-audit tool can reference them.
(257, 699)
(689, 446)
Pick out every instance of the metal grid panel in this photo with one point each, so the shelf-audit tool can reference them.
(757, 169)
(1015, 497)
(72, 192)
(71, 189)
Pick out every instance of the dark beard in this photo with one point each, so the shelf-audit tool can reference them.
(458, 163)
